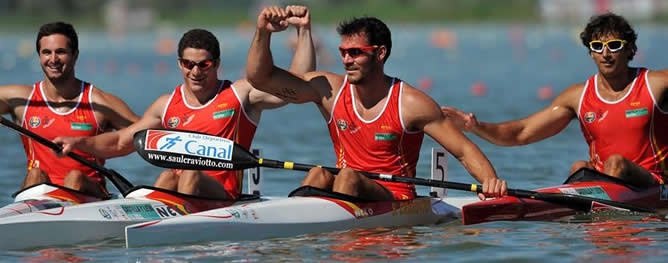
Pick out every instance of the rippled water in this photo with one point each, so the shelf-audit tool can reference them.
(512, 61)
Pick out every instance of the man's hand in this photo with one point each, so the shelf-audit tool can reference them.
(463, 121)
(272, 19)
(493, 187)
(68, 143)
(298, 16)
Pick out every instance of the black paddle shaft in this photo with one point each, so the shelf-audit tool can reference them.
(119, 181)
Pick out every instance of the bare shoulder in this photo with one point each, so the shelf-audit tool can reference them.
(658, 79)
(418, 108)
(570, 97)
(15, 91)
(242, 85)
(103, 97)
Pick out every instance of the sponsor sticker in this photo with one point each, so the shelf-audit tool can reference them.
(81, 126)
(166, 211)
(223, 114)
(385, 136)
(200, 145)
(140, 211)
(590, 191)
(636, 113)
(104, 213)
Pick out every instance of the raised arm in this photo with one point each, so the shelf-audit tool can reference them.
(538, 126)
(424, 114)
(303, 61)
(260, 69)
(116, 143)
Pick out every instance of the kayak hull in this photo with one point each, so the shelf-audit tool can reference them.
(291, 217)
(585, 182)
(102, 220)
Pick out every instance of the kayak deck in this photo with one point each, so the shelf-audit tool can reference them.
(584, 182)
(102, 220)
(292, 216)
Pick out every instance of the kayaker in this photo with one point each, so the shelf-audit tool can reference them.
(62, 104)
(622, 110)
(203, 103)
(376, 122)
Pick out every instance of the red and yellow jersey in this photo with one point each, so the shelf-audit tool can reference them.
(633, 126)
(40, 117)
(223, 116)
(381, 145)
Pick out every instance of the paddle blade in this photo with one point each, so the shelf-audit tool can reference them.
(187, 150)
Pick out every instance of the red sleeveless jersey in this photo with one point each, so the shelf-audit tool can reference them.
(381, 145)
(223, 116)
(40, 118)
(633, 126)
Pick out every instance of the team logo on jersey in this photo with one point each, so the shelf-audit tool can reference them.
(635, 103)
(590, 117)
(34, 121)
(343, 125)
(173, 122)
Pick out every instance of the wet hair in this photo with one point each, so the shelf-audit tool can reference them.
(610, 23)
(62, 28)
(376, 31)
(200, 39)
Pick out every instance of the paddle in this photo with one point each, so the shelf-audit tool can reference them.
(197, 151)
(121, 183)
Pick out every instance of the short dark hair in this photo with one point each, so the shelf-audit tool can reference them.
(200, 39)
(610, 23)
(62, 28)
(376, 31)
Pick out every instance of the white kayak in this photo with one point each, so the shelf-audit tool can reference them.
(44, 196)
(67, 225)
(293, 216)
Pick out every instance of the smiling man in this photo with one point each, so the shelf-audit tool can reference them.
(60, 105)
(204, 103)
(376, 122)
(623, 111)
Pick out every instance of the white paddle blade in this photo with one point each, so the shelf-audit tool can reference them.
(184, 150)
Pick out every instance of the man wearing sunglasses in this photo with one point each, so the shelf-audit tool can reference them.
(376, 122)
(62, 104)
(622, 111)
(203, 103)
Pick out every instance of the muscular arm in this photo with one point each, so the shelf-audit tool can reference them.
(115, 111)
(658, 81)
(424, 114)
(116, 143)
(12, 97)
(304, 60)
(263, 75)
(538, 126)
